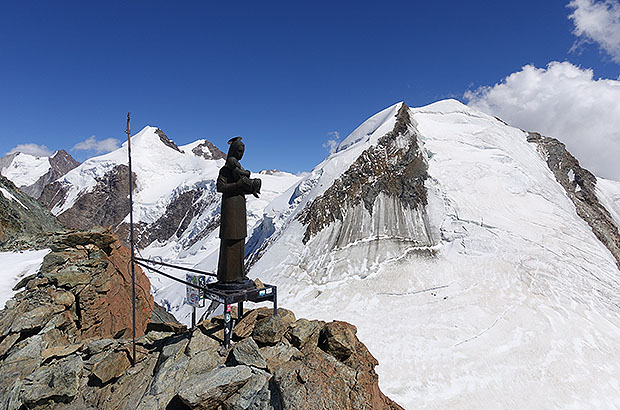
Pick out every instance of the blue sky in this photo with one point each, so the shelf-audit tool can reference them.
(284, 75)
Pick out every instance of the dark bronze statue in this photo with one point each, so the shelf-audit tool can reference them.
(234, 183)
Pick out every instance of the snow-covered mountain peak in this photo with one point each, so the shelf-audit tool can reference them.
(373, 128)
(150, 136)
(489, 260)
(446, 106)
(31, 173)
(24, 169)
(163, 171)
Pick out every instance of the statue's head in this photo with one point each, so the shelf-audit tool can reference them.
(237, 148)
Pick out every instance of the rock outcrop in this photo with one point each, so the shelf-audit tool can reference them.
(207, 150)
(64, 345)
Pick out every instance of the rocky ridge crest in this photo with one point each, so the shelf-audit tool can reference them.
(64, 345)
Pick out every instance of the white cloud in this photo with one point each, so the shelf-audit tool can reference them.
(99, 147)
(598, 22)
(332, 143)
(562, 101)
(32, 149)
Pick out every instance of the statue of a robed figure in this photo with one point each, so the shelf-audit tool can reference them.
(234, 183)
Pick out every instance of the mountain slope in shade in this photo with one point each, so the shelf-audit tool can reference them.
(475, 280)
(31, 173)
(24, 223)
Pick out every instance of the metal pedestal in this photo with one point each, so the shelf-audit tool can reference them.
(230, 297)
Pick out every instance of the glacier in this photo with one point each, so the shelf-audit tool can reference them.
(515, 305)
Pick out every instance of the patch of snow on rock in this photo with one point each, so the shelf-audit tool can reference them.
(15, 266)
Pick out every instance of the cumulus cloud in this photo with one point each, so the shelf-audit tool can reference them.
(562, 101)
(32, 149)
(98, 147)
(598, 22)
(332, 142)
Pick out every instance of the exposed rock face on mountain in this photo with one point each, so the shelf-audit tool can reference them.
(105, 205)
(31, 174)
(580, 186)
(394, 167)
(63, 345)
(208, 151)
(166, 141)
(23, 221)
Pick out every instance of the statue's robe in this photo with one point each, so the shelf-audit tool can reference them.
(233, 227)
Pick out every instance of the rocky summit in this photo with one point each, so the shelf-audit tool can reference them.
(65, 344)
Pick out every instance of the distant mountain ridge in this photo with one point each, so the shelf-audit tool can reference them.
(31, 173)
(164, 174)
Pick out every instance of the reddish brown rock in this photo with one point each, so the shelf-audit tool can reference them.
(106, 301)
(319, 381)
(246, 325)
(338, 339)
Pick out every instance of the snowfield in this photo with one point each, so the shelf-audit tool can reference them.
(15, 266)
(519, 307)
(26, 169)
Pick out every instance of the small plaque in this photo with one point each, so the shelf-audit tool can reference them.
(193, 296)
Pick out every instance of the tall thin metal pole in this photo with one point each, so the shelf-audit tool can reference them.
(133, 272)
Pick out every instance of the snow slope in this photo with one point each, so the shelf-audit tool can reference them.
(15, 266)
(608, 193)
(517, 307)
(10, 196)
(25, 169)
